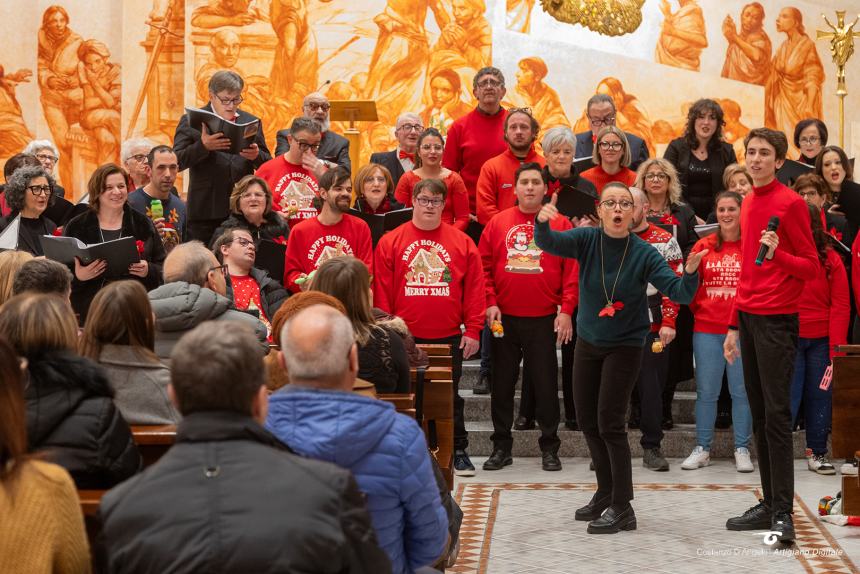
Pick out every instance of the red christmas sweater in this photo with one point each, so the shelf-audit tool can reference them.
(666, 244)
(495, 191)
(855, 270)
(774, 287)
(433, 280)
(472, 140)
(311, 244)
(720, 272)
(293, 189)
(824, 308)
(456, 210)
(521, 279)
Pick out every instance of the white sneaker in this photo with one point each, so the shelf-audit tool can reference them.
(743, 461)
(697, 459)
(819, 463)
(848, 469)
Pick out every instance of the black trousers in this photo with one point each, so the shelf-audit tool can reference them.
(531, 339)
(603, 378)
(527, 401)
(768, 347)
(649, 387)
(203, 229)
(680, 367)
(461, 437)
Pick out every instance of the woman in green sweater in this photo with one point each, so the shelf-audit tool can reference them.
(615, 268)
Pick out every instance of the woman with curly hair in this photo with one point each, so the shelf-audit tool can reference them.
(29, 192)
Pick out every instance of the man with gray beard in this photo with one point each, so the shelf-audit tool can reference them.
(334, 148)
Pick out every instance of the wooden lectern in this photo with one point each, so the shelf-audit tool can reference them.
(353, 111)
(846, 421)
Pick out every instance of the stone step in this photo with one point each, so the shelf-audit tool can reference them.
(677, 443)
(477, 407)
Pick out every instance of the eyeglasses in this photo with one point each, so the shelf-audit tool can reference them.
(138, 157)
(431, 147)
(607, 121)
(38, 190)
(318, 106)
(656, 176)
(222, 268)
(807, 193)
(803, 141)
(375, 178)
(245, 242)
(230, 101)
(490, 84)
(624, 204)
(46, 157)
(426, 201)
(305, 146)
(411, 128)
(611, 145)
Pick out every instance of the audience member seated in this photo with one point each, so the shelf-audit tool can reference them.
(71, 417)
(48, 155)
(11, 166)
(320, 418)
(428, 165)
(402, 158)
(43, 276)
(229, 496)
(334, 148)
(294, 176)
(332, 233)
(374, 190)
(251, 209)
(120, 336)
(40, 517)
(110, 218)
(161, 167)
(213, 170)
(611, 159)
(28, 194)
(251, 289)
(382, 356)
(134, 153)
(600, 111)
(194, 291)
(10, 263)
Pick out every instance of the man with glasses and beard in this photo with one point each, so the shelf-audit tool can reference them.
(601, 112)
(334, 148)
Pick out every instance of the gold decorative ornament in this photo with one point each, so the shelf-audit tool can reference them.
(606, 17)
(841, 48)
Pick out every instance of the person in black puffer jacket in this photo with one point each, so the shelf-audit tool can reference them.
(251, 209)
(71, 417)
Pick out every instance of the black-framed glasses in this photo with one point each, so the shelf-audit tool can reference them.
(139, 157)
(611, 145)
(47, 157)
(411, 127)
(245, 242)
(428, 201)
(325, 106)
(489, 83)
(230, 101)
(607, 121)
(812, 140)
(38, 190)
(624, 204)
(222, 268)
(305, 146)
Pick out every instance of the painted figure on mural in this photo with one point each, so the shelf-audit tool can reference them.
(16, 136)
(101, 81)
(218, 13)
(296, 64)
(749, 50)
(734, 130)
(518, 15)
(59, 82)
(682, 37)
(445, 103)
(793, 91)
(532, 92)
(469, 34)
(225, 47)
(630, 116)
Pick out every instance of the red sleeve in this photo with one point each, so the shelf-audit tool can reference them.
(699, 246)
(364, 243)
(293, 259)
(796, 229)
(383, 277)
(670, 308)
(403, 192)
(459, 195)
(485, 247)
(451, 155)
(855, 269)
(840, 308)
(570, 285)
(485, 195)
(474, 296)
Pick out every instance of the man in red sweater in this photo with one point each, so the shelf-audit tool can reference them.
(533, 295)
(293, 177)
(331, 234)
(495, 188)
(477, 136)
(429, 274)
(767, 324)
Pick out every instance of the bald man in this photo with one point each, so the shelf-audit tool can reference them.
(194, 291)
(334, 148)
(402, 159)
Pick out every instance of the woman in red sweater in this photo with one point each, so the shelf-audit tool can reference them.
(824, 311)
(611, 158)
(712, 309)
(428, 165)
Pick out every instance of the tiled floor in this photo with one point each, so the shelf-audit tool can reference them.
(520, 520)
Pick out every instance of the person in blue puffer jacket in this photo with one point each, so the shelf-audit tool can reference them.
(319, 417)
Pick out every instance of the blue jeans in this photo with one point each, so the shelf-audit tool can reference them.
(813, 356)
(710, 365)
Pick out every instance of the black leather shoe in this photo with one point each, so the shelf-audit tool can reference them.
(522, 423)
(591, 465)
(783, 523)
(551, 461)
(571, 424)
(498, 460)
(633, 421)
(613, 521)
(595, 508)
(756, 518)
(482, 387)
(667, 423)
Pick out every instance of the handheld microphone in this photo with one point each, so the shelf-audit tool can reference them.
(772, 225)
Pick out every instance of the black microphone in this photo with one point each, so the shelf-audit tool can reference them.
(772, 225)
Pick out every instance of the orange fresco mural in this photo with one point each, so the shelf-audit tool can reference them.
(531, 92)
(16, 135)
(682, 37)
(749, 51)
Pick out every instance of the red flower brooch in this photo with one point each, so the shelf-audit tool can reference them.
(669, 219)
(58, 232)
(609, 310)
(281, 240)
(140, 247)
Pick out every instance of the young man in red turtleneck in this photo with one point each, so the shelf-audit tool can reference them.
(767, 324)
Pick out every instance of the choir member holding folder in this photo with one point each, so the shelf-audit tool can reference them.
(28, 194)
(110, 218)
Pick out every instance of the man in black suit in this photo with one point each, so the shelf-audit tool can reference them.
(402, 158)
(334, 148)
(213, 170)
(600, 111)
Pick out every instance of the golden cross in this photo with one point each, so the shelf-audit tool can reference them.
(841, 48)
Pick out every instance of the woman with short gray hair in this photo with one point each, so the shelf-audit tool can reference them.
(29, 192)
(48, 155)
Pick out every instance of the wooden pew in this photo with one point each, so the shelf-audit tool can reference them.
(438, 404)
(153, 441)
(846, 420)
